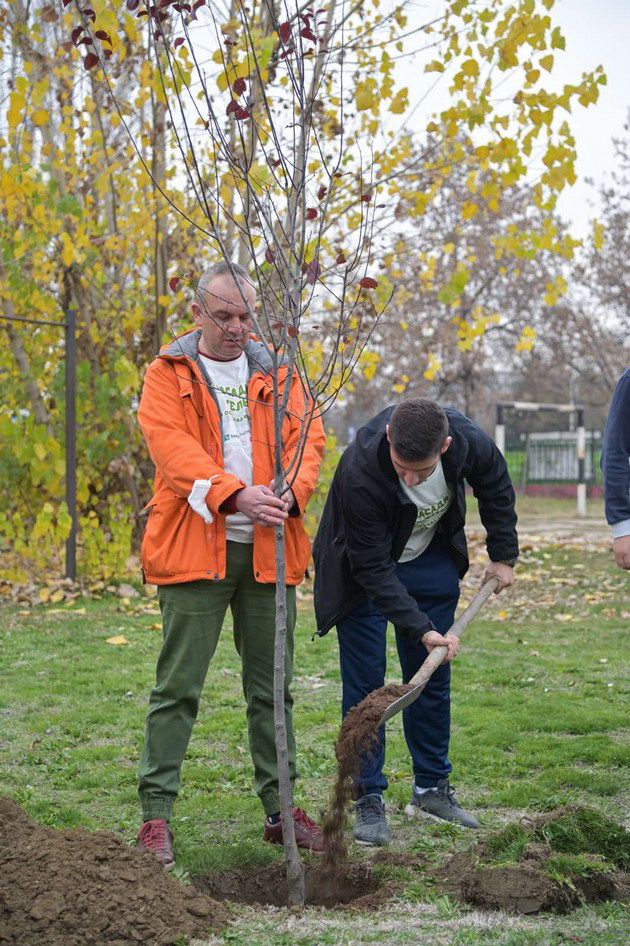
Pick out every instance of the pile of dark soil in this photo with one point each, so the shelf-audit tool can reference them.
(356, 738)
(76, 888)
(556, 861)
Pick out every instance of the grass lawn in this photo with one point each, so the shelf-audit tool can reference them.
(538, 721)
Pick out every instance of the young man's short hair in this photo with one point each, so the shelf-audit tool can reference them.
(417, 429)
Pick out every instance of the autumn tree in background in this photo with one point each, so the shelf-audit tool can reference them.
(102, 205)
(83, 226)
(586, 344)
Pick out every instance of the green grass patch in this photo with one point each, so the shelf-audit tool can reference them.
(508, 845)
(585, 831)
(536, 723)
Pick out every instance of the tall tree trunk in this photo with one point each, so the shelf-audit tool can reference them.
(295, 871)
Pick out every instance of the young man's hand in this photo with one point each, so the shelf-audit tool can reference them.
(505, 574)
(621, 551)
(433, 639)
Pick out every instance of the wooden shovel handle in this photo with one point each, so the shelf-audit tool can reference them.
(438, 654)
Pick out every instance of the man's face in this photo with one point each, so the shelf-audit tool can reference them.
(223, 317)
(415, 472)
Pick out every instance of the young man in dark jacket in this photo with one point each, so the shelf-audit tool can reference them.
(391, 547)
(616, 469)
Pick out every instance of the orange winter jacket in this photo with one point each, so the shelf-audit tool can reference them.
(181, 423)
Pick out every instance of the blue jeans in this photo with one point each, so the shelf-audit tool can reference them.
(432, 579)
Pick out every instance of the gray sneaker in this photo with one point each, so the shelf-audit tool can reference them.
(440, 804)
(370, 824)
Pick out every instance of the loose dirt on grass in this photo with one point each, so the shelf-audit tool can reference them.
(556, 861)
(76, 888)
(357, 737)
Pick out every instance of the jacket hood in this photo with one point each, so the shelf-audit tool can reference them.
(187, 346)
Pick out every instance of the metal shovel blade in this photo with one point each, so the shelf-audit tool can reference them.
(437, 655)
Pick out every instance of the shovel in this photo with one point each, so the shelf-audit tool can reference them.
(437, 655)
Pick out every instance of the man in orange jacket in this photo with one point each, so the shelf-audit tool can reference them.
(207, 414)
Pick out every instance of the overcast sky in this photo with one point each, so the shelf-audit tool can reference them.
(596, 32)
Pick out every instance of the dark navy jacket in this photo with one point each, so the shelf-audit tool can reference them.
(368, 519)
(616, 458)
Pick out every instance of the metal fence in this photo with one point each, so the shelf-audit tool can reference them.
(552, 458)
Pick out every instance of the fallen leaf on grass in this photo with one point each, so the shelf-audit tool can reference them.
(117, 639)
(564, 617)
(66, 610)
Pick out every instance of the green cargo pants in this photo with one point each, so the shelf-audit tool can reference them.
(192, 617)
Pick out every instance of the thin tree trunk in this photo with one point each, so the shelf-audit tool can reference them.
(295, 871)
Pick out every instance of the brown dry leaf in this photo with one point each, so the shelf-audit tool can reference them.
(118, 640)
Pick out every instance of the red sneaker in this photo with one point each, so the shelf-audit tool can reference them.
(307, 834)
(156, 836)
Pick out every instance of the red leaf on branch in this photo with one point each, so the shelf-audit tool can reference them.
(293, 332)
(308, 34)
(366, 197)
(274, 162)
(284, 32)
(106, 53)
(199, 3)
(101, 34)
(173, 283)
(368, 283)
(90, 14)
(178, 42)
(86, 41)
(312, 270)
(232, 107)
(67, 2)
(311, 213)
(340, 259)
(270, 254)
(277, 326)
(287, 52)
(321, 193)
(239, 86)
(76, 32)
(133, 5)
(90, 61)
(241, 114)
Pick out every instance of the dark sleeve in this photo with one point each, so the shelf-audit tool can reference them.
(615, 460)
(369, 550)
(487, 473)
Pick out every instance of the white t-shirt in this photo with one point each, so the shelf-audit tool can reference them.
(433, 497)
(229, 385)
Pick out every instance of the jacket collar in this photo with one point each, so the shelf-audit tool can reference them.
(187, 346)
